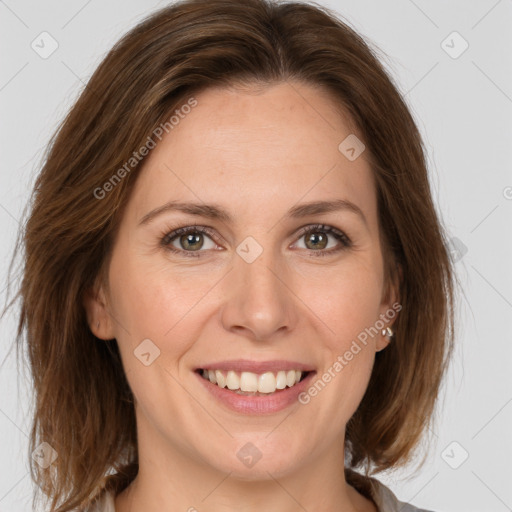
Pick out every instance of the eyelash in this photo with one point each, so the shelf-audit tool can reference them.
(339, 235)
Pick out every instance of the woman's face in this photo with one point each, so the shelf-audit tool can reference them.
(253, 296)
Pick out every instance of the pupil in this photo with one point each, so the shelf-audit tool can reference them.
(318, 237)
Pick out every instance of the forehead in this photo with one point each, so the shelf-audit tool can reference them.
(271, 147)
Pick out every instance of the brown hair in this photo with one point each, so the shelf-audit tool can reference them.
(83, 403)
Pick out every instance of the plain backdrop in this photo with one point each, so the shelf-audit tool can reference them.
(451, 60)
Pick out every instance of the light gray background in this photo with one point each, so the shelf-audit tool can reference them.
(463, 107)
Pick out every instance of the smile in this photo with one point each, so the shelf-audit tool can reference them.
(249, 383)
(255, 387)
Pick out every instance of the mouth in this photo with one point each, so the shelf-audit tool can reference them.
(254, 384)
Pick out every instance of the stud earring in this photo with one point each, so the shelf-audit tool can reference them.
(388, 332)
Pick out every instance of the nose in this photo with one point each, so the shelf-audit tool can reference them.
(259, 302)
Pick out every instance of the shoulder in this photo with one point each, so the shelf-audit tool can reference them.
(386, 501)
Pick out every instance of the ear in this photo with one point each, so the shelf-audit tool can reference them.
(98, 317)
(390, 305)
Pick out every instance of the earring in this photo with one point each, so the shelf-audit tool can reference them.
(388, 332)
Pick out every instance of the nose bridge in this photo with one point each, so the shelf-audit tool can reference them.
(258, 300)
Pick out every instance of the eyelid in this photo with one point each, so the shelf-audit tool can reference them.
(190, 228)
(311, 228)
(173, 232)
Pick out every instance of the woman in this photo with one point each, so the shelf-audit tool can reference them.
(236, 288)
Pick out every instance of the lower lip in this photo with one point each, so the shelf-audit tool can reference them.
(247, 404)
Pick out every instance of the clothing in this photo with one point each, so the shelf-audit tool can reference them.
(386, 501)
(383, 497)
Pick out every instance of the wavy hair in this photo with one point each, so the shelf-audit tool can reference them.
(83, 403)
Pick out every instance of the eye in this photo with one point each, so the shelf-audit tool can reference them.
(189, 240)
(316, 239)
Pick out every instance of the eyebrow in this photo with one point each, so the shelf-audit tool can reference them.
(216, 212)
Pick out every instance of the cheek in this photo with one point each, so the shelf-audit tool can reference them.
(153, 303)
(349, 309)
(148, 300)
(348, 305)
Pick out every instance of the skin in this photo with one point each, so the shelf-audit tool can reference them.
(256, 154)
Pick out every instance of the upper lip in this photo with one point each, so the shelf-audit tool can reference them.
(246, 365)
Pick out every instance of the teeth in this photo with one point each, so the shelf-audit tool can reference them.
(281, 380)
(249, 382)
(266, 383)
(221, 380)
(232, 380)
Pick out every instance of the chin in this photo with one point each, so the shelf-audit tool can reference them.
(253, 458)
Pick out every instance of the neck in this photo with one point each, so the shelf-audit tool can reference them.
(177, 481)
